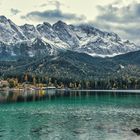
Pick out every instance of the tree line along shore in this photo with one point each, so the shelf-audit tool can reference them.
(29, 81)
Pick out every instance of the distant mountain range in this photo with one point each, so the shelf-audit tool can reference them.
(65, 51)
(29, 41)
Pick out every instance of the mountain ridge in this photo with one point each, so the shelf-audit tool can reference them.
(82, 38)
(75, 65)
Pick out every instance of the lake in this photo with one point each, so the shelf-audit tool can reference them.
(69, 115)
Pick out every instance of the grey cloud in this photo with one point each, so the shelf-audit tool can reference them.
(131, 33)
(56, 3)
(52, 16)
(14, 11)
(123, 20)
(130, 13)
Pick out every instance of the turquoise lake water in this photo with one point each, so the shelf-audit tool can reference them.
(70, 116)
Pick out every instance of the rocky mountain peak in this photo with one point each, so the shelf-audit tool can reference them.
(83, 38)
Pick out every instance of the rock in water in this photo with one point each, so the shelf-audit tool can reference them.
(136, 130)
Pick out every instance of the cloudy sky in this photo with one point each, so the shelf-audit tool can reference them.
(120, 16)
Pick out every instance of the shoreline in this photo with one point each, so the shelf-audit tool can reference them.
(79, 90)
(100, 90)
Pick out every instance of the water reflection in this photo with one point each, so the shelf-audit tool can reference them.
(25, 95)
(50, 94)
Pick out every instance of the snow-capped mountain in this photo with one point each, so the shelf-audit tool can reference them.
(30, 40)
(10, 32)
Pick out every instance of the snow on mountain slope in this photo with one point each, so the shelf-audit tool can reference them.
(30, 31)
(97, 43)
(50, 36)
(46, 38)
(10, 32)
(65, 34)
